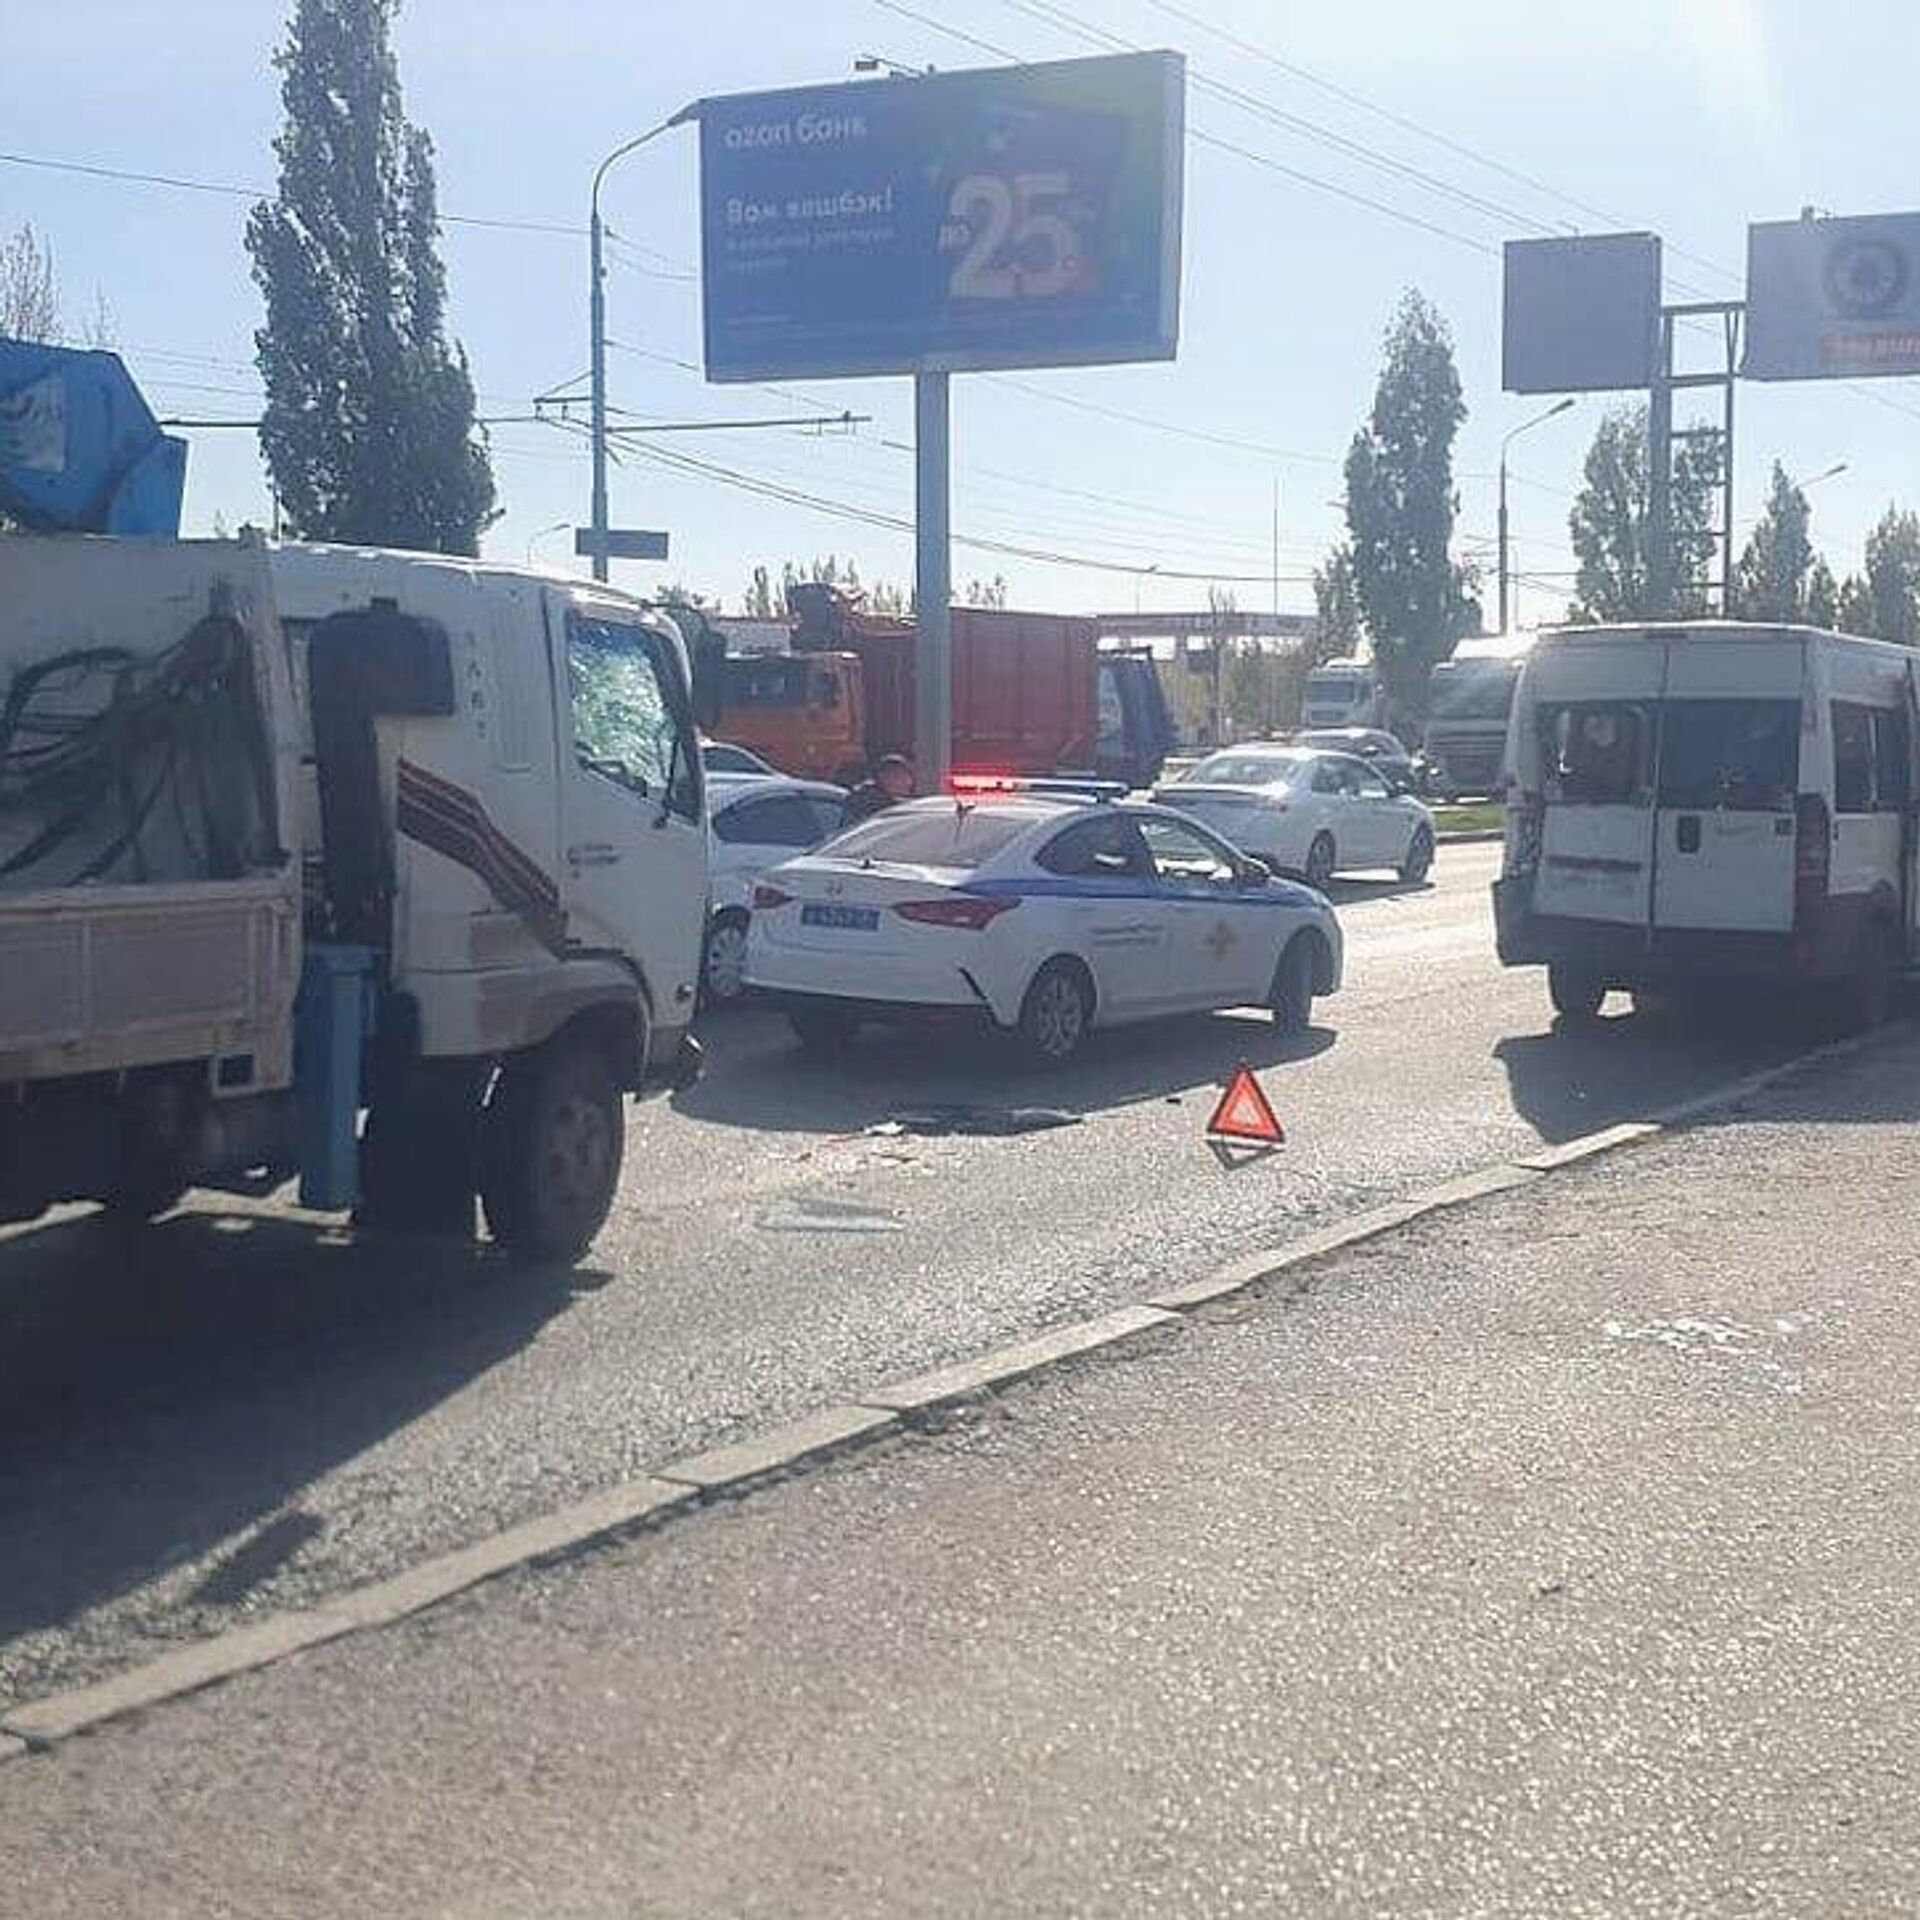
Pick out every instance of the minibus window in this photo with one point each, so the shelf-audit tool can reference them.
(1740, 756)
(1594, 753)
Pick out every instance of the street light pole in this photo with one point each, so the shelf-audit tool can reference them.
(1539, 419)
(597, 329)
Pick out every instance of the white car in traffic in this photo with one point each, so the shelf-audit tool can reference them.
(1306, 812)
(757, 822)
(1046, 915)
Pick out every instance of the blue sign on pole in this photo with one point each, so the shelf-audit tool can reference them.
(1004, 217)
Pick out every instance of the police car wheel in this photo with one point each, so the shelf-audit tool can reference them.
(723, 978)
(1419, 861)
(1056, 1013)
(1291, 997)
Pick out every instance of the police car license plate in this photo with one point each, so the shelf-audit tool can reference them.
(846, 919)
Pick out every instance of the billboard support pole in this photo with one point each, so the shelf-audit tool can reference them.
(1660, 478)
(932, 583)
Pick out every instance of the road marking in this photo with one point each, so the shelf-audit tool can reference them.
(687, 1484)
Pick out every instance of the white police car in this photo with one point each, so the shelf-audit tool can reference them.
(1049, 912)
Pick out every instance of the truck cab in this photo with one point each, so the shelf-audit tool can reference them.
(1342, 693)
(361, 834)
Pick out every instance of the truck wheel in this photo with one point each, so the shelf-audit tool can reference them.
(551, 1147)
(1576, 996)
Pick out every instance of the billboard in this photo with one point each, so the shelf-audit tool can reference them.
(1003, 217)
(1581, 314)
(1833, 299)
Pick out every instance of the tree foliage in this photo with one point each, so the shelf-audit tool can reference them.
(1415, 601)
(1892, 596)
(766, 598)
(1336, 606)
(1773, 578)
(29, 290)
(369, 429)
(1609, 522)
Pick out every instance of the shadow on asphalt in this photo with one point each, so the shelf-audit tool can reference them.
(167, 1390)
(757, 1076)
(1573, 1080)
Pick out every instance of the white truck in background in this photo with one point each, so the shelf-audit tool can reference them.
(1468, 701)
(1343, 693)
(293, 838)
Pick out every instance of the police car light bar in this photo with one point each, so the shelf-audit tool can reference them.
(1060, 786)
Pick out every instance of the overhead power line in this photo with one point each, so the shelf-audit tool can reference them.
(180, 183)
(689, 464)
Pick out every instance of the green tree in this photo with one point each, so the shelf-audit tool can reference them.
(759, 602)
(1401, 506)
(369, 429)
(987, 593)
(1336, 606)
(1856, 607)
(1893, 577)
(1775, 569)
(1823, 595)
(1608, 524)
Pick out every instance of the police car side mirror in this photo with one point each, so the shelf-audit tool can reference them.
(1253, 871)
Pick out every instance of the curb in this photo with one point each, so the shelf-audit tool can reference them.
(700, 1479)
(1476, 837)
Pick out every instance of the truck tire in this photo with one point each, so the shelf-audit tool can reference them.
(551, 1146)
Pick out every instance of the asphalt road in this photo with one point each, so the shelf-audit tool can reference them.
(246, 1409)
(1554, 1556)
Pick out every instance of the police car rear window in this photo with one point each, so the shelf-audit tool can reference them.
(959, 837)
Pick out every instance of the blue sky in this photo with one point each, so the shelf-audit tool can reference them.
(1688, 116)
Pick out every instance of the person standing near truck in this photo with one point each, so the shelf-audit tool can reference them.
(891, 783)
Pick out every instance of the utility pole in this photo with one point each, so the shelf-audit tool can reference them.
(1558, 407)
(933, 583)
(597, 333)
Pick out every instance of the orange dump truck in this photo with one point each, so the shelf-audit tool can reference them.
(1030, 694)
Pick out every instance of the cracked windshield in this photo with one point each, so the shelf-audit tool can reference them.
(958, 959)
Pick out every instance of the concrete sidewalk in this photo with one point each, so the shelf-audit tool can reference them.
(1555, 1556)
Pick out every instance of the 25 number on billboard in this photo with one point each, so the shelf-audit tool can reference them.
(1015, 243)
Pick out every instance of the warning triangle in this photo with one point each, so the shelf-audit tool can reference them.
(1245, 1114)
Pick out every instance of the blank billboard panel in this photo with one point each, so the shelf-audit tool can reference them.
(1582, 314)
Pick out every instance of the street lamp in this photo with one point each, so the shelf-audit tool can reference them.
(1831, 473)
(540, 533)
(1539, 419)
(597, 328)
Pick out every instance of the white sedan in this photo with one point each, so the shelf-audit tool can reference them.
(756, 824)
(1307, 812)
(1045, 915)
